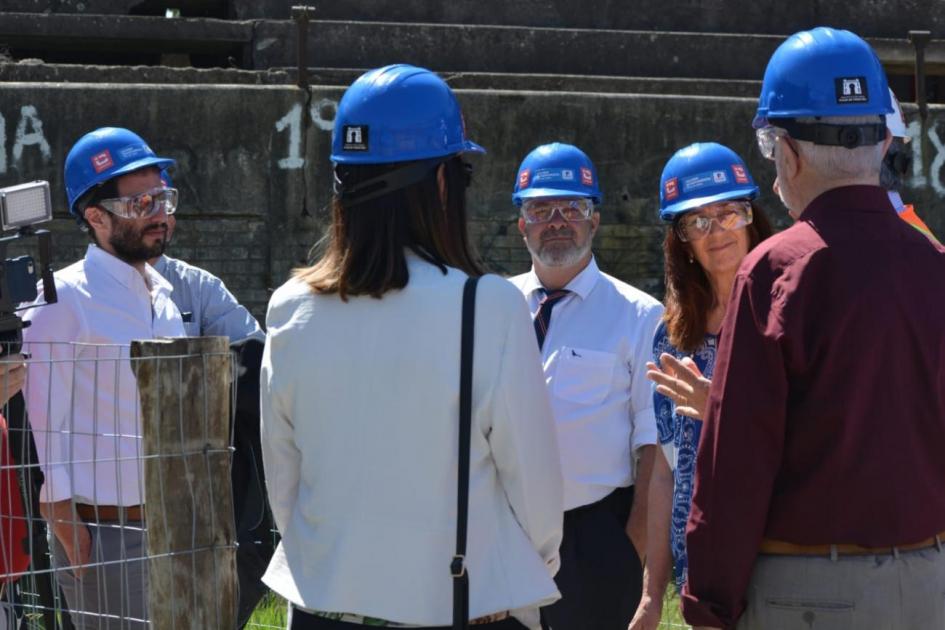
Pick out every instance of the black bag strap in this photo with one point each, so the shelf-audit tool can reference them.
(458, 564)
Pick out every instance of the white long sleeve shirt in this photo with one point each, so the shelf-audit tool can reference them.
(81, 394)
(594, 358)
(360, 415)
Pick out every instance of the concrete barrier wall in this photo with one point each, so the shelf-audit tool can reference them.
(451, 47)
(880, 18)
(255, 177)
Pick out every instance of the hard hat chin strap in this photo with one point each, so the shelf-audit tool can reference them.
(383, 184)
(847, 136)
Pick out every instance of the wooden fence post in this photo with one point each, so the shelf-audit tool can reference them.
(184, 385)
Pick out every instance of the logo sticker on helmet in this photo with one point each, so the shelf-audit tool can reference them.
(548, 175)
(701, 180)
(523, 178)
(355, 138)
(133, 151)
(851, 90)
(587, 177)
(567, 174)
(741, 177)
(102, 161)
(671, 188)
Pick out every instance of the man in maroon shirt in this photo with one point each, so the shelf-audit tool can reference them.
(820, 482)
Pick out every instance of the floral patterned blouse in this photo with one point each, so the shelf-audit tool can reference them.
(679, 437)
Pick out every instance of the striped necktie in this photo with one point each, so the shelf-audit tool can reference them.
(543, 316)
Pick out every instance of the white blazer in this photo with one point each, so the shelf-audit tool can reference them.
(360, 413)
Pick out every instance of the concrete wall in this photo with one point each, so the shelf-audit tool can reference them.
(880, 18)
(345, 44)
(255, 176)
(35, 72)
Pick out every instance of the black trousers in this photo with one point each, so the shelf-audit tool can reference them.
(601, 578)
(302, 620)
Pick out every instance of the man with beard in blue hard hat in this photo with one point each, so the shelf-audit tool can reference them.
(80, 391)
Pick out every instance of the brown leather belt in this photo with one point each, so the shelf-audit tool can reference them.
(96, 513)
(781, 548)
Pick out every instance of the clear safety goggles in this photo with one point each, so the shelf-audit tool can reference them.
(729, 215)
(543, 210)
(142, 205)
(768, 138)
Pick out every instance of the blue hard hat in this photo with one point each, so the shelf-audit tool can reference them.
(103, 154)
(700, 174)
(556, 170)
(398, 113)
(823, 72)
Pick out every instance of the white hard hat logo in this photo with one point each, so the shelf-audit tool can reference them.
(851, 90)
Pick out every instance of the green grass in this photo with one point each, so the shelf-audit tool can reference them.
(672, 617)
(271, 613)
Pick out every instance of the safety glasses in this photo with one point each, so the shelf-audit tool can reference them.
(730, 215)
(767, 139)
(143, 205)
(543, 210)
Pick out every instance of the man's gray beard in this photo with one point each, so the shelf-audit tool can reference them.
(556, 256)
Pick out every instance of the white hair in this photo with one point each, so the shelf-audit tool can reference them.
(833, 162)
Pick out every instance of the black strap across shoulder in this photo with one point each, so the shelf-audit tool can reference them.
(458, 564)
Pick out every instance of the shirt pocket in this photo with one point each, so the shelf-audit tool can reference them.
(584, 376)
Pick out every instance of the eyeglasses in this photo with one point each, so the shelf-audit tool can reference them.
(768, 138)
(143, 205)
(730, 215)
(543, 210)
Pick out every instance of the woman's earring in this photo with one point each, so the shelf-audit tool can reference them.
(691, 258)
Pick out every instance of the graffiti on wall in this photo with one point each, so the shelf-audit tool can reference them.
(922, 178)
(322, 115)
(28, 133)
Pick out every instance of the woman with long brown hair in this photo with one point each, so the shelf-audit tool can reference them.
(361, 396)
(707, 194)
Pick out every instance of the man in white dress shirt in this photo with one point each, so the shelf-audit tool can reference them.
(81, 393)
(595, 335)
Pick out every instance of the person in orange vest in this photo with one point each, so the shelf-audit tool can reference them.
(898, 162)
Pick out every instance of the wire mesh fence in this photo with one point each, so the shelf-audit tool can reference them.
(120, 504)
(116, 502)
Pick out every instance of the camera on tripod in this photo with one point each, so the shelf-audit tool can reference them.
(22, 207)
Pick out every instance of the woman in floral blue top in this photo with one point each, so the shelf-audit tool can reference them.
(706, 193)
